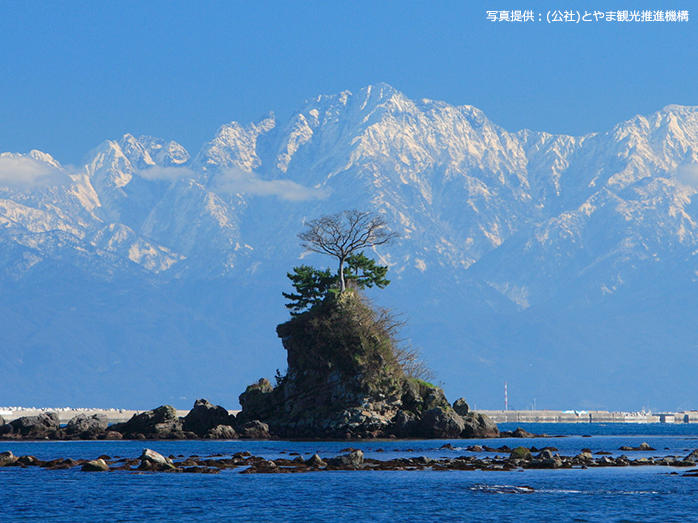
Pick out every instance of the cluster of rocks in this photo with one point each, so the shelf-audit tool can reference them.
(203, 421)
(344, 381)
(353, 459)
(335, 410)
(518, 458)
(522, 457)
(149, 461)
(206, 420)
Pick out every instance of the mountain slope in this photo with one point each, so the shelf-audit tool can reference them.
(563, 265)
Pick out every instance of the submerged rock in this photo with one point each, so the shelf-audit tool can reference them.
(642, 447)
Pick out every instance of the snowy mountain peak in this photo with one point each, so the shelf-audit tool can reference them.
(234, 146)
(166, 154)
(510, 242)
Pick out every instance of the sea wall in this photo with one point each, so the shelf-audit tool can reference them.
(591, 416)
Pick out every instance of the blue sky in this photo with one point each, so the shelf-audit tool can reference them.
(73, 74)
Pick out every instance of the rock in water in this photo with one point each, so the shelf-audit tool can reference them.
(439, 423)
(316, 461)
(7, 458)
(97, 465)
(479, 426)
(521, 433)
(87, 426)
(41, 426)
(159, 423)
(521, 453)
(354, 459)
(222, 432)
(204, 416)
(254, 429)
(151, 460)
(345, 380)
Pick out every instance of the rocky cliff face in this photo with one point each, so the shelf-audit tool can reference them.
(345, 381)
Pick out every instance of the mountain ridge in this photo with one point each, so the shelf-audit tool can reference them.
(496, 227)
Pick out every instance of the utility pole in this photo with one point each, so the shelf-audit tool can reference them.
(506, 397)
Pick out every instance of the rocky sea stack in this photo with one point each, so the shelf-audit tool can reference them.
(345, 380)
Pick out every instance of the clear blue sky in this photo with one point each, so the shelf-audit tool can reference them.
(73, 74)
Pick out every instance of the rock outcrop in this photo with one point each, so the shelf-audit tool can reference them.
(344, 380)
(204, 417)
(151, 460)
(87, 426)
(44, 425)
(7, 458)
(97, 465)
(160, 423)
(222, 432)
(479, 426)
(254, 429)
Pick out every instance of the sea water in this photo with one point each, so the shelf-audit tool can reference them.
(627, 494)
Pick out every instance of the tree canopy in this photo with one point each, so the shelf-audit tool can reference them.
(312, 285)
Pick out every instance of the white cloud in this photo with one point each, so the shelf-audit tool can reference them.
(688, 174)
(22, 172)
(157, 172)
(233, 181)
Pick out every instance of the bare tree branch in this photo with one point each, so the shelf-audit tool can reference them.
(339, 235)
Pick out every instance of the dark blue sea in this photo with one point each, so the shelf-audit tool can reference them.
(627, 494)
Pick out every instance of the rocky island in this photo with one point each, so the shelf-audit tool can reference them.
(347, 376)
(344, 381)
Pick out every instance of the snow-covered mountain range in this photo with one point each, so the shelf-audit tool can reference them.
(563, 265)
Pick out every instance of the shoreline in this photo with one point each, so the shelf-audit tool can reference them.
(66, 413)
(590, 416)
(498, 416)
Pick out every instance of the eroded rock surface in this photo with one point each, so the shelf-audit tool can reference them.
(160, 423)
(204, 417)
(345, 381)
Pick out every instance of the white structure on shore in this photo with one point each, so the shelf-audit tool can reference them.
(592, 416)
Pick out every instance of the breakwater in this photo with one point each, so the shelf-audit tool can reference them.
(589, 416)
(65, 414)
